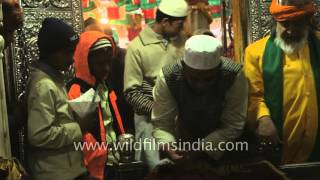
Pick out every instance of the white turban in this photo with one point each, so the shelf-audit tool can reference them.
(175, 8)
(202, 52)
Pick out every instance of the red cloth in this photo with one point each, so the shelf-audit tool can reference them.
(133, 32)
(149, 13)
(85, 3)
(215, 9)
(113, 13)
(136, 2)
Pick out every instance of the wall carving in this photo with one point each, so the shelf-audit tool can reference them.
(46, 3)
(260, 20)
(25, 49)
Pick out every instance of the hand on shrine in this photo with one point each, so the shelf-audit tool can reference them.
(172, 153)
(267, 131)
(175, 155)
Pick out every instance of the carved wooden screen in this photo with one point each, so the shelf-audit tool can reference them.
(25, 49)
(260, 20)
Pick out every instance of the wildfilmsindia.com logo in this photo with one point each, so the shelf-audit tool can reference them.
(152, 144)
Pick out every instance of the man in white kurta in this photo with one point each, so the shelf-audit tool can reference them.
(5, 149)
(12, 19)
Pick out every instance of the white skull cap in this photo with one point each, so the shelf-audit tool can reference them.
(202, 52)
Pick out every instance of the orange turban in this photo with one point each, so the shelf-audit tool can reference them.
(295, 10)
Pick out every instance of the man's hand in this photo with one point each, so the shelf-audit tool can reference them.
(175, 155)
(172, 154)
(267, 130)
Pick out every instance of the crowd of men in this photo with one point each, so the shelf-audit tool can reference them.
(177, 94)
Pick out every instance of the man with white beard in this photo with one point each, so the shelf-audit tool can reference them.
(284, 82)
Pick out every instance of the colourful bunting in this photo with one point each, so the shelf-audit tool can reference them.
(149, 15)
(136, 2)
(215, 11)
(132, 5)
(215, 8)
(148, 8)
(214, 2)
(120, 2)
(88, 5)
(148, 4)
(113, 13)
(121, 16)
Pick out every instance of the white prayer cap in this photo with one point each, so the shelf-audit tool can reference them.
(202, 52)
(175, 8)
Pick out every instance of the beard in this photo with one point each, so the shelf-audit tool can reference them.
(290, 44)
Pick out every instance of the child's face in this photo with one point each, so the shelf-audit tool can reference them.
(63, 59)
(100, 63)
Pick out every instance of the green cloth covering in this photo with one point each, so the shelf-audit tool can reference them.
(273, 81)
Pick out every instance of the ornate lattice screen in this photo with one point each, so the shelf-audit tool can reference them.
(260, 20)
(25, 48)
